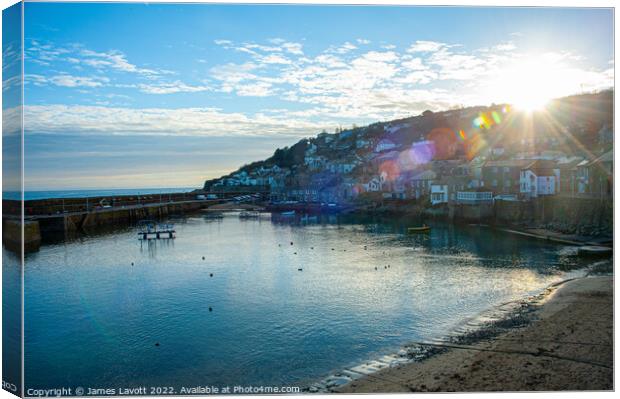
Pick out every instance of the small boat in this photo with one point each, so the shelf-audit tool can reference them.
(421, 229)
(214, 215)
(288, 213)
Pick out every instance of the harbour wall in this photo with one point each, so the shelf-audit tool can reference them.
(50, 227)
(12, 235)
(572, 215)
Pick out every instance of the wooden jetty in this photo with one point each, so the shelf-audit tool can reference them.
(150, 230)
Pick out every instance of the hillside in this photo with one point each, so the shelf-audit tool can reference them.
(571, 125)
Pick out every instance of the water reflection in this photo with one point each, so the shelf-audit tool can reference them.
(151, 246)
(291, 299)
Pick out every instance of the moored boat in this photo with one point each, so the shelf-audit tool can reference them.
(420, 229)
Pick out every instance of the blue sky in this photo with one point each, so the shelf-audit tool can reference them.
(135, 95)
(11, 98)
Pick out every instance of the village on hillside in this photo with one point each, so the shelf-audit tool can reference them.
(468, 156)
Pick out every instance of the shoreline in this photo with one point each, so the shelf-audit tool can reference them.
(550, 341)
(553, 236)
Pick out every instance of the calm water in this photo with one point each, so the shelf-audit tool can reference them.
(92, 319)
(36, 195)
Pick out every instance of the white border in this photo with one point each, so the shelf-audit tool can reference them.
(482, 3)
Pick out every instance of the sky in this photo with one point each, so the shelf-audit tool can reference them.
(11, 98)
(154, 95)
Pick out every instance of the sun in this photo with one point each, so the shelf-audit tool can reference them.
(528, 84)
(530, 102)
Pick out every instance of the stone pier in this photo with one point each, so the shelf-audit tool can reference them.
(43, 227)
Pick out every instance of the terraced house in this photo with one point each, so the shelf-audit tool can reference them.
(503, 176)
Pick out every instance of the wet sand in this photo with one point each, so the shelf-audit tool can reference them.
(566, 344)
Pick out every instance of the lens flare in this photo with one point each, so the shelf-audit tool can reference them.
(389, 170)
(422, 152)
(496, 118)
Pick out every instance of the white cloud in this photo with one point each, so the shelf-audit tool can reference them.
(505, 47)
(326, 60)
(419, 77)
(425, 46)
(45, 54)
(386, 56)
(458, 66)
(414, 64)
(293, 48)
(11, 121)
(222, 42)
(66, 80)
(11, 82)
(79, 119)
(172, 87)
(257, 89)
(272, 59)
(78, 81)
(11, 56)
(115, 60)
(236, 77)
(343, 80)
(150, 80)
(260, 47)
(342, 49)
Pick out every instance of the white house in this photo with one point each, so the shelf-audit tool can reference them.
(315, 162)
(341, 167)
(439, 193)
(231, 182)
(539, 178)
(385, 145)
(498, 150)
(373, 185)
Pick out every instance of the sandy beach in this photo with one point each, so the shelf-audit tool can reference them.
(566, 344)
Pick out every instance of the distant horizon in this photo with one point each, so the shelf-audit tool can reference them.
(111, 189)
(84, 193)
(220, 85)
(200, 185)
(234, 168)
